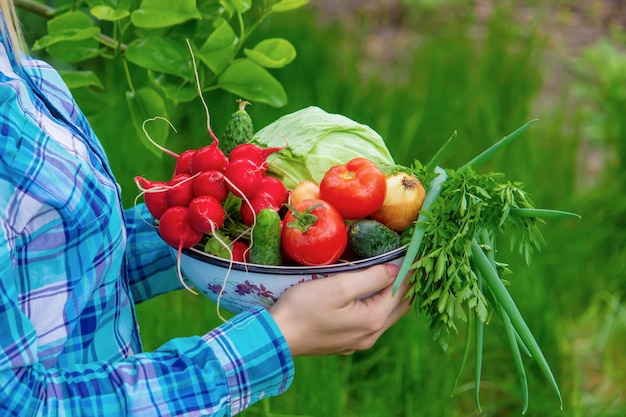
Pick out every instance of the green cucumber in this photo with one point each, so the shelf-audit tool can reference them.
(265, 243)
(239, 129)
(368, 238)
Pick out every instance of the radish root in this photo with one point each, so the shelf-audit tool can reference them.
(152, 119)
(180, 272)
(199, 88)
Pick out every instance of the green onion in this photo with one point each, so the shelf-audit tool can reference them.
(545, 213)
(445, 251)
(496, 147)
(467, 347)
(416, 239)
(479, 334)
(434, 162)
(493, 281)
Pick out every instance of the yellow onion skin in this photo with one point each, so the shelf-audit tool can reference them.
(403, 201)
(304, 190)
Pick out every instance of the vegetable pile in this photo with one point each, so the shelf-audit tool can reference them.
(314, 188)
(222, 200)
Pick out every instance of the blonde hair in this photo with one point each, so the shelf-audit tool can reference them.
(11, 28)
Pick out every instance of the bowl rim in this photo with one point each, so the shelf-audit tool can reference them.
(296, 269)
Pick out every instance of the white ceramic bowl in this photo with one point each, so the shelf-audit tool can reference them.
(248, 285)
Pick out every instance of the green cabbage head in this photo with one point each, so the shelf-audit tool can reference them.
(317, 141)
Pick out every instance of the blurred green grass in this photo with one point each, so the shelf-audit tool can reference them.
(482, 85)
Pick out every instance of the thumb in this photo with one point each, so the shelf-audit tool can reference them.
(359, 284)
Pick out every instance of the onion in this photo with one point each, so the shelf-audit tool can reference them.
(305, 190)
(403, 201)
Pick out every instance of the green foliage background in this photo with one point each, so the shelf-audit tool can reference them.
(483, 77)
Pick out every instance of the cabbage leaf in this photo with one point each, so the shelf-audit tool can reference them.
(317, 141)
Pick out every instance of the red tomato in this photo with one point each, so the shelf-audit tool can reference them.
(356, 189)
(314, 233)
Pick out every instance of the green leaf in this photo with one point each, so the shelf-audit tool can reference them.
(272, 53)
(288, 5)
(78, 79)
(155, 14)
(91, 103)
(161, 54)
(69, 22)
(145, 104)
(241, 6)
(228, 7)
(114, 4)
(69, 27)
(220, 47)
(249, 80)
(69, 35)
(108, 13)
(74, 51)
(174, 88)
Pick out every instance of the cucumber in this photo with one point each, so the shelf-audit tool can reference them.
(368, 238)
(265, 244)
(239, 129)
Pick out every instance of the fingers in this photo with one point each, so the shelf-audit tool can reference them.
(372, 280)
(340, 311)
(391, 306)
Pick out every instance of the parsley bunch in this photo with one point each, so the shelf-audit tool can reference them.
(450, 260)
(444, 284)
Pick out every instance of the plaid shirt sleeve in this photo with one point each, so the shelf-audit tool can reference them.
(220, 374)
(151, 265)
(71, 261)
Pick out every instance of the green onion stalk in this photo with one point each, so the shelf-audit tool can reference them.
(450, 264)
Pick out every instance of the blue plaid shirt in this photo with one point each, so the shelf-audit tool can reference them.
(72, 265)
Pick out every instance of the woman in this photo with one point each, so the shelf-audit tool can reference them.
(73, 263)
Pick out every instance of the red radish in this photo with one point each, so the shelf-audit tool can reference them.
(207, 158)
(180, 192)
(206, 214)
(156, 202)
(176, 230)
(240, 251)
(274, 187)
(259, 202)
(154, 196)
(183, 164)
(253, 153)
(210, 183)
(143, 183)
(244, 177)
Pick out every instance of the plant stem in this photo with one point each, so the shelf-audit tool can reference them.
(48, 12)
(36, 7)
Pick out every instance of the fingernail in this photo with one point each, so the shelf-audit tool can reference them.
(393, 269)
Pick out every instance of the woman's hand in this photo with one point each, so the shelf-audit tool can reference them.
(330, 315)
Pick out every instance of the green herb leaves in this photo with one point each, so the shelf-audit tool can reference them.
(444, 281)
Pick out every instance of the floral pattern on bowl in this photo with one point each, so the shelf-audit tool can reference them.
(236, 286)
